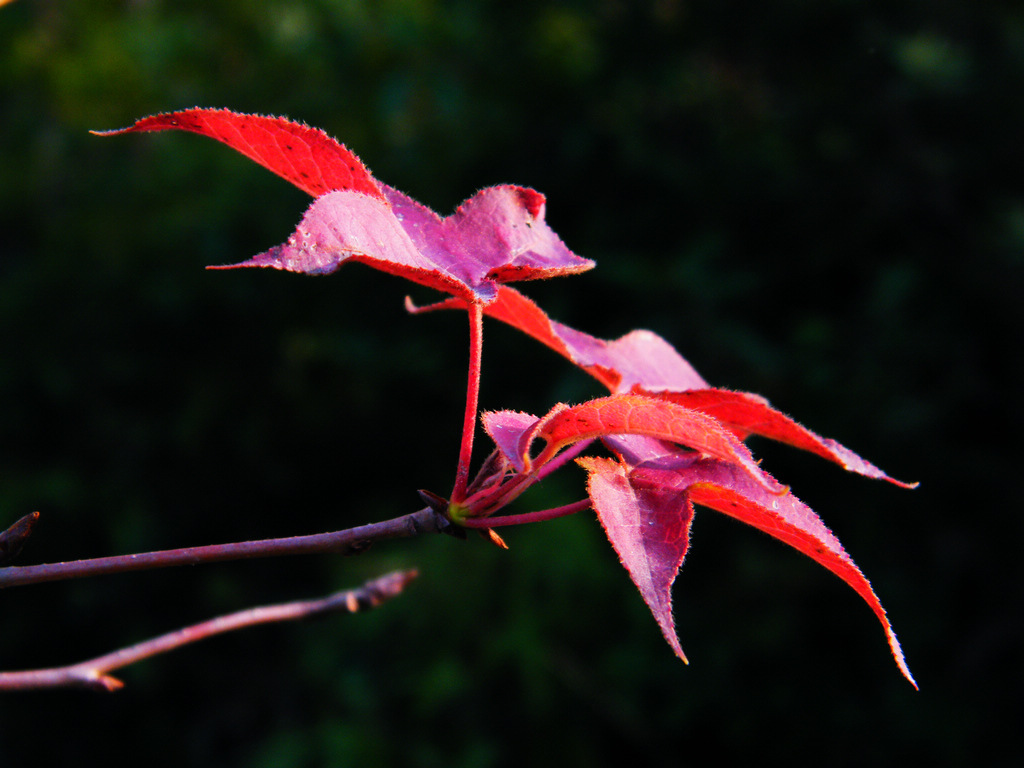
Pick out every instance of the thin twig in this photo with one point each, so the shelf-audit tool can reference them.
(94, 673)
(348, 541)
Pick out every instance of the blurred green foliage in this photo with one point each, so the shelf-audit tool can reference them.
(820, 202)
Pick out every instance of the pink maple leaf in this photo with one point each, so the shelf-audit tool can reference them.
(644, 499)
(647, 509)
(499, 235)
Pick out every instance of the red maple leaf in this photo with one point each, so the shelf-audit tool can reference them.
(499, 235)
(647, 509)
(667, 461)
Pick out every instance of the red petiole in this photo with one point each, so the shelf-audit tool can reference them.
(476, 342)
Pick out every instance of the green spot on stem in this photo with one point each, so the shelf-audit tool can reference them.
(457, 512)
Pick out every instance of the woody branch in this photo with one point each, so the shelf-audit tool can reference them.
(95, 673)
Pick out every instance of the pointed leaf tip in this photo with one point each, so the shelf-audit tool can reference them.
(305, 156)
(651, 546)
(749, 414)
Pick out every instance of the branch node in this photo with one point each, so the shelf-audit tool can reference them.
(107, 683)
(358, 547)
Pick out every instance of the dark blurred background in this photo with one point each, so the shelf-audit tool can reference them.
(817, 201)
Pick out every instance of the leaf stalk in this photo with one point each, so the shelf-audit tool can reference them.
(476, 343)
(527, 517)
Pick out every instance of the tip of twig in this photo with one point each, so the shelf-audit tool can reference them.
(14, 538)
(107, 683)
(393, 583)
